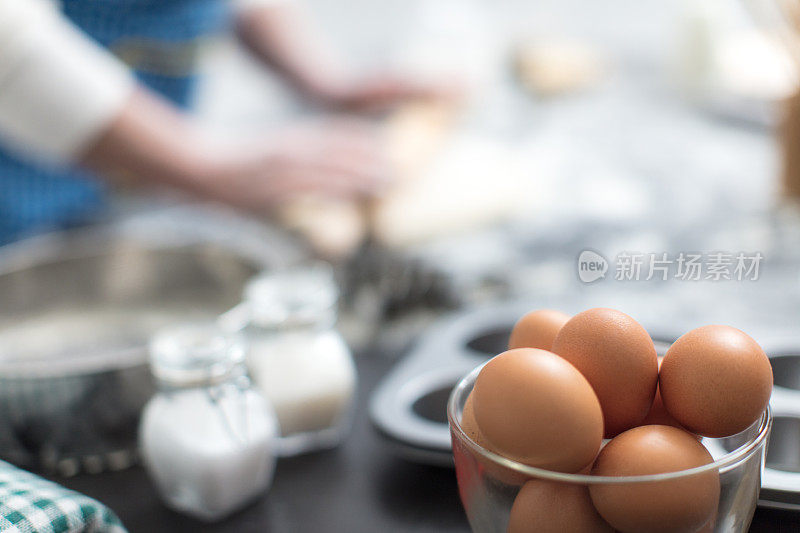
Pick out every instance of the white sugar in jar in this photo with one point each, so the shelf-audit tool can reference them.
(207, 437)
(297, 358)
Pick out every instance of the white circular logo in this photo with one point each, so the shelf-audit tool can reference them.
(591, 266)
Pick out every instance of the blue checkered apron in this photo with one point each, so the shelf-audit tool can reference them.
(160, 40)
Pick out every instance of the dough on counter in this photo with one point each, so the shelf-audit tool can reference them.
(473, 181)
(443, 183)
(551, 68)
(333, 228)
(415, 133)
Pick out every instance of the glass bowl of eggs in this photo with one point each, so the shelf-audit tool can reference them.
(534, 450)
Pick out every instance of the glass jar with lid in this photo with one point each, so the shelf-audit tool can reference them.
(296, 356)
(207, 437)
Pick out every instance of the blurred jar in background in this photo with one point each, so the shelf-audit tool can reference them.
(780, 20)
(790, 148)
(297, 357)
(732, 59)
(207, 436)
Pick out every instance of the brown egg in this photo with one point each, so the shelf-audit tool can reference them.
(534, 407)
(658, 413)
(715, 381)
(618, 358)
(468, 423)
(678, 505)
(549, 507)
(488, 467)
(537, 329)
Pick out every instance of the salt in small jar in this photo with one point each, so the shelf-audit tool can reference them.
(207, 437)
(296, 356)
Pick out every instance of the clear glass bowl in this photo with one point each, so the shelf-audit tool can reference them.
(489, 483)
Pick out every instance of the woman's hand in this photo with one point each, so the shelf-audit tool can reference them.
(151, 142)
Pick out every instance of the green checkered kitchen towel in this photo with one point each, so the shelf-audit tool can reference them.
(30, 504)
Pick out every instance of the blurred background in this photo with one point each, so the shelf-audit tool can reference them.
(647, 129)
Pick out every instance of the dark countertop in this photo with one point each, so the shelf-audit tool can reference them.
(359, 487)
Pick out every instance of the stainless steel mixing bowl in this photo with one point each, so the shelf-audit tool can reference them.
(76, 311)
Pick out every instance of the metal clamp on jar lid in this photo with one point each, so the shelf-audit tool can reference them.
(296, 297)
(194, 355)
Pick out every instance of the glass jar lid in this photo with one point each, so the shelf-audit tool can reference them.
(196, 354)
(299, 296)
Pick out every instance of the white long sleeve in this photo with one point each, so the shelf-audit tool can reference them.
(58, 89)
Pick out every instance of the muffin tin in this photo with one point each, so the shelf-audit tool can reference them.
(408, 408)
(780, 487)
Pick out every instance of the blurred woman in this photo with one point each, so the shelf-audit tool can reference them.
(98, 87)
